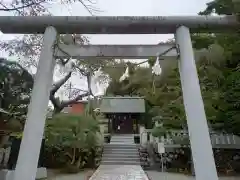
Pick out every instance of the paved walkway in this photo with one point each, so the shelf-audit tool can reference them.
(119, 172)
(153, 175)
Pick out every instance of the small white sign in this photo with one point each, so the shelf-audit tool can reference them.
(161, 148)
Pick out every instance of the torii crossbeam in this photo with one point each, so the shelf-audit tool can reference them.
(116, 51)
(179, 25)
(116, 24)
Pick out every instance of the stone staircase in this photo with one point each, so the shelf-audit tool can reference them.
(121, 151)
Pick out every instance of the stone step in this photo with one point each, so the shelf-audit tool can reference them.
(122, 139)
(135, 159)
(120, 162)
(122, 143)
(126, 139)
(120, 151)
(123, 136)
(120, 155)
(120, 146)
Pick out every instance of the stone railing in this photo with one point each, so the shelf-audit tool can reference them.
(4, 156)
(180, 138)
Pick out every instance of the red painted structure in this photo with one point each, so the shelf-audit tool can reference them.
(76, 108)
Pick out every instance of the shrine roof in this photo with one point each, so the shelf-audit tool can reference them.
(122, 104)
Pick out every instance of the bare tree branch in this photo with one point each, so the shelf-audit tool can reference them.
(89, 7)
(57, 85)
(36, 7)
(20, 7)
(81, 70)
(29, 46)
(8, 8)
(59, 105)
(79, 97)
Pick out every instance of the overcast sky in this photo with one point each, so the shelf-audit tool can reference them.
(127, 8)
(136, 8)
(130, 8)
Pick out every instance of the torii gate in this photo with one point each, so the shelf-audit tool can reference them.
(197, 125)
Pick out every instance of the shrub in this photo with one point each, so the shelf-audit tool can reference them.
(72, 141)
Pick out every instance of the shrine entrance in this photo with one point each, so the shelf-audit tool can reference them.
(123, 113)
(181, 50)
(124, 123)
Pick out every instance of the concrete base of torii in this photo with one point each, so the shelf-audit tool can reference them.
(6, 174)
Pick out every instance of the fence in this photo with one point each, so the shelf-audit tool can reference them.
(180, 138)
(9, 154)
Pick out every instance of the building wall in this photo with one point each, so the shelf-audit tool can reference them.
(78, 108)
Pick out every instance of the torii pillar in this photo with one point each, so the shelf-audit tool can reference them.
(201, 147)
(26, 167)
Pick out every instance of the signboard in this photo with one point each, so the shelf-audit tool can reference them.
(161, 148)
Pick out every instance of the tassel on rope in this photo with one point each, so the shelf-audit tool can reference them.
(125, 75)
(156, 70)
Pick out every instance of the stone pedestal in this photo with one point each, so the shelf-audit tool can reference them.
(143, 136)
(6, 174)
(151, 138)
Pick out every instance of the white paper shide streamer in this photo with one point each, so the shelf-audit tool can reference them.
(96, 87)
(156, 69)
(125, 75)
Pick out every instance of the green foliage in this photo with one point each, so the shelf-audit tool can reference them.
(151, 61)
(76, 138)
(15, 88)
(163, 102)
(225, 7)
(71, 130)
(201, 41)
(229, 115)
(224, 98)
(159, 131)
(218, 69)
